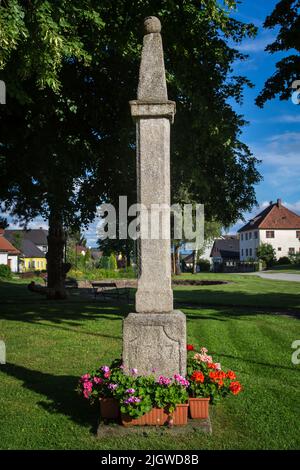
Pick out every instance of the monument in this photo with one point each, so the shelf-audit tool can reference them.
(154, 336)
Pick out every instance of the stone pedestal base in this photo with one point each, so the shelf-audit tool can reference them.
(155, 343)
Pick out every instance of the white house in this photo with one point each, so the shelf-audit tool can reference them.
(275, 225)
(8, 253)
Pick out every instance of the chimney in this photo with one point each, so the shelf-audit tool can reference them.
(271, 202)
(279, 202)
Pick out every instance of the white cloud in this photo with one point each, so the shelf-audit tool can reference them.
(257, 44)
(287, 118)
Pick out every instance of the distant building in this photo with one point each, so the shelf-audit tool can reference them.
(8, 253)
(275, 225)
(33, 246)
(225, 252)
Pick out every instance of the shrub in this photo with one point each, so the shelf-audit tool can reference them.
(204, 265)
(295, 259)
(283, 260)
(266, 252)
(108, 262)
(5, 272)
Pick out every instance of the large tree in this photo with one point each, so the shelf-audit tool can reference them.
(286, 16)
(67, 139)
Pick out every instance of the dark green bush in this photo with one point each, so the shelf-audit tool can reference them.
(5, 272)
(204, 265)
(283, 260)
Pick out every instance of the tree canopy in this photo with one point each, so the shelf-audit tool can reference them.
(286, 16)
(67, 139)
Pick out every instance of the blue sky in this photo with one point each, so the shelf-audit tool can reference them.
(273, 133)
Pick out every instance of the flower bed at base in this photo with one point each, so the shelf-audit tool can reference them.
(144, 400)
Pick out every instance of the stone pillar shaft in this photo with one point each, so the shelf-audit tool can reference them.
(154, 336)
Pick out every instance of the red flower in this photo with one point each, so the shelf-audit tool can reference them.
(211, 365)
(217, 376)
(197, 376)
(190, 347)
(231, 375)
(235, 387)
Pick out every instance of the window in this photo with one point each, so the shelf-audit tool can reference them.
(250, 252)
(279, 248)
(242, 237)
(242, 252)
(298, 234)
(246, 236)
(247, 252)
(256, 235)
(291, 251)
(250, 235)
(270, 234)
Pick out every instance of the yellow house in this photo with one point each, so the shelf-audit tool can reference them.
(32, 259)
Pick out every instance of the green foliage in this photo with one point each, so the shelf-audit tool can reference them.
(95, 274)
(204, 265)
(108, 262)
(168, 396)
(266, 253)
(5, 271)
(63, 68)
(283, 260)
(286, 19)
(295, 259)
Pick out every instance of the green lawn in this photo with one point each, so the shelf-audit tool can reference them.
(50, 344)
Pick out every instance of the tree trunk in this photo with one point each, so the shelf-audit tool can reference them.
(55, 255)
(177, 260)
(195, 256)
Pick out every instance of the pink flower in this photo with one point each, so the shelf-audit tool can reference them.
(86, 394)
(105, 369)
(88, 386)
(84, 377)
(218, 366)
(164, 380)
(97, 380)
(133, 371)
(181, 380)
(204, 350)
(203, 357)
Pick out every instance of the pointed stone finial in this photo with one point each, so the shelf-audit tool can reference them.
(152, 80)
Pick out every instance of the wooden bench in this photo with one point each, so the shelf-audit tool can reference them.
(110, 290)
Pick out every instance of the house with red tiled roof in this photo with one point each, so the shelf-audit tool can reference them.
(276, 225)
(8, 253)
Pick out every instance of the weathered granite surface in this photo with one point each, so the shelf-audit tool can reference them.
(2, 352)
(155, 343)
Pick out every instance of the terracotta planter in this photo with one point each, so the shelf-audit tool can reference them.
(180, 415)
(199, 408)
(155, 417)
(109, 408)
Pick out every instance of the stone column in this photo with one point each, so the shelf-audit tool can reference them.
(155, 335)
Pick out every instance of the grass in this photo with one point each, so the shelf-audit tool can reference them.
(49, 344)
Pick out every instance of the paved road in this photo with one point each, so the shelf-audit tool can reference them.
(278, 276)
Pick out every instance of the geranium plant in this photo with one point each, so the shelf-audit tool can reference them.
(170, 392)
(207, 379)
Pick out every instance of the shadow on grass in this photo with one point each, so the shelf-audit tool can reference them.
(59, 390)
